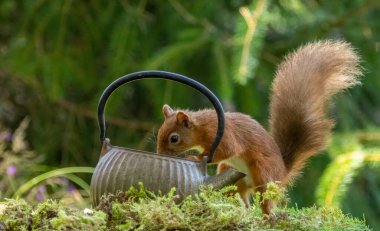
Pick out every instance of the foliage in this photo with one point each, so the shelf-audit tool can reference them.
(67, 172)
(60, 66)
(19, 163)
(249, 40)
(139, 209)
(351, 154)
(339, 175)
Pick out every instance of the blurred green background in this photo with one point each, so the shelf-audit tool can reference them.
(56, 58)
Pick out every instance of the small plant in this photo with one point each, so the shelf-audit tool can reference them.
(15, 159)
(21, 174)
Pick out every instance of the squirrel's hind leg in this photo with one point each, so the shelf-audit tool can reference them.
(241, 185)
(260, 181)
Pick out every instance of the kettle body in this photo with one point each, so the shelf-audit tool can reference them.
(120, 168)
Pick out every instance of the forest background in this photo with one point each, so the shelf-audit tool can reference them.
(56, 58)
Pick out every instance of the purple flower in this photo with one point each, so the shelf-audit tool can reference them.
(40, 196)
(42, 189)
(70, 188)
(11, 170)
(6, 136)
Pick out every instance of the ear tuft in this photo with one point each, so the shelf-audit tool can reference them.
(183, 119)
(167, 111)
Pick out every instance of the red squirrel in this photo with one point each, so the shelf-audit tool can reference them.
(299, 128)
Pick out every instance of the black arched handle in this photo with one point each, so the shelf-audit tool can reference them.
(163, 75)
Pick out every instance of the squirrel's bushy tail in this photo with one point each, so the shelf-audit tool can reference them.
(304, 83)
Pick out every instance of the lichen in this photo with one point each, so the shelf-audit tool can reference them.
(139, 209)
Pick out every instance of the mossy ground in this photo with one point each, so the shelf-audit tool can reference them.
(139, 209)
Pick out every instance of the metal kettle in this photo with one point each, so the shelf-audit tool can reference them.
(120, 168)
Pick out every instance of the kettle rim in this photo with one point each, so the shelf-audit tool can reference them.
(111, 147)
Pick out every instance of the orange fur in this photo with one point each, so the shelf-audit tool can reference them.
(303, 85)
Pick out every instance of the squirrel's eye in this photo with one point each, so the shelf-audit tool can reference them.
(174, 138)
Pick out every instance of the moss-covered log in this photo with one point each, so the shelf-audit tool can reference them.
(139, 209)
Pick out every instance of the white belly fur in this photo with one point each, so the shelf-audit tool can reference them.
(241, 166)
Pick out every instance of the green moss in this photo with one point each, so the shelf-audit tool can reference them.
(15, 215)
(139, 209)
(50, 215)
(43, 212)
(74, 220)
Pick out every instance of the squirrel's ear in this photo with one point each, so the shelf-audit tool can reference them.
(167, 111)
(183, 119)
